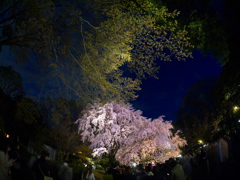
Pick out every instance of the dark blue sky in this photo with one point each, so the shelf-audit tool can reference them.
(164, 96)
(158, 97)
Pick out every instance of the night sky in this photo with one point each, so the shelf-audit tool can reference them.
(164, 96)
(158, 97)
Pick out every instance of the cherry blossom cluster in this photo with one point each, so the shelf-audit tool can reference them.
(118, 128)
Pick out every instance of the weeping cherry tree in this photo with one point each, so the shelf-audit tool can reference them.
(121, 132)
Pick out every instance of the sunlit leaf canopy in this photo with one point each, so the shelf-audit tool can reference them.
(82, 46)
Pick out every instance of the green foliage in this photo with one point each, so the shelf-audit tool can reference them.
(213, 27)
(82, 45)
(197, 116)
(27, 111)
(205, 40)
(205, 22)
(226, 93)
(108, 177)
(61, 109)
(17, 112)
(10, 82)
(82, 155)
(77, 170)
(103, 162)
(65, 139)
(101, 175)
(144, 38)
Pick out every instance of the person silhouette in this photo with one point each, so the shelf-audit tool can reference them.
(88, 174)
(5, 161)
(41, 166)
(65, 172)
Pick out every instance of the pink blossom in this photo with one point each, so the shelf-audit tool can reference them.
(117, 127)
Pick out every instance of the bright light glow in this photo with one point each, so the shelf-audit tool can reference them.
(134, 164)
(239, 120)
(179, 156)
(200, 141)
(235, 108)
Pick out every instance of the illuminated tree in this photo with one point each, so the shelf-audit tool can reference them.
(106, 126)
(150, 141)
(82, 45)
(118, 130)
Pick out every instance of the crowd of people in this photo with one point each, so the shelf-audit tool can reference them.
(14, 167)
(9, 161)
(172, 169)
(38, 166)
